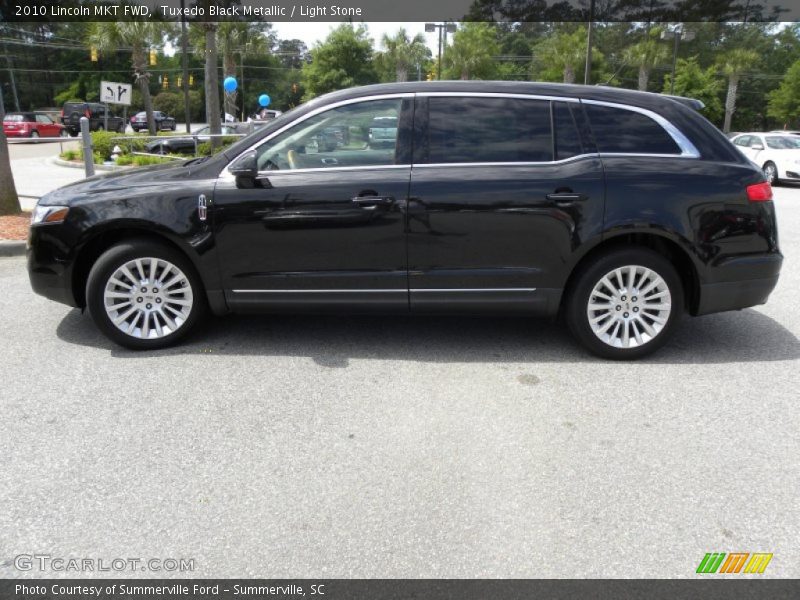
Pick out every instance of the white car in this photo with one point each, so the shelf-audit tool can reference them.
(778, 155)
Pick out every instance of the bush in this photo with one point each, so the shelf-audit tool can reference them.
(70, 154)
(103, 143)
(124, 160)
(143, 161)
(204, 149)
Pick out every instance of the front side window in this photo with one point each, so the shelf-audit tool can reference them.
(43, 119)
(353, 135)
(474, 130)
(617, 130)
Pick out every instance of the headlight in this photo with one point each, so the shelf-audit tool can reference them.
(49, 214)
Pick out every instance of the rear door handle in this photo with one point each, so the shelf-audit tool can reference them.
(566, 197)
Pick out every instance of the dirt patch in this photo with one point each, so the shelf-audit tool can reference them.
(15, 227)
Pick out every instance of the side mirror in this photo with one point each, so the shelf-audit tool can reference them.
(246, 166)
(757, 146)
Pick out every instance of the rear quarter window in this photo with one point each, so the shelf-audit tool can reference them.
(617, 130)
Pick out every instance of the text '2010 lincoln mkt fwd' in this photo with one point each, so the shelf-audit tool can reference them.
(618, 210)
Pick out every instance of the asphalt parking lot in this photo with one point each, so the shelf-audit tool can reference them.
(397, 447)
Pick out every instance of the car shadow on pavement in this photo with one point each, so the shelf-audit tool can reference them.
(331, 341)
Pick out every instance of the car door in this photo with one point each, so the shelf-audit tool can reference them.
(323, 224)
(498, 203)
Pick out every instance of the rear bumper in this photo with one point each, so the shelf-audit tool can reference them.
(758, 277)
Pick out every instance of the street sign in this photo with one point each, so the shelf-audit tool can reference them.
(112, 92)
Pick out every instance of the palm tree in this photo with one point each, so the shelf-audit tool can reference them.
(472, 53)
(565, 51)
(240, 39)
(733, 64)
(139, 36)
(645, 55)
(9, 201)
(404, 52)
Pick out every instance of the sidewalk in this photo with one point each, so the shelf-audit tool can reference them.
(35, 177)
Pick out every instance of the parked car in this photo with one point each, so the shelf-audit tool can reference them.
(163, 121)
(32, 125)
(619, 210)
(185, 145)
(383, 131)
(777, 154)
(96, 113)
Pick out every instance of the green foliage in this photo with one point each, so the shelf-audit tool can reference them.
(103, 142)
(70, 155)
(205, 149)
(693, 81)
(784, 102)
(471, 56)
(125, 160)
(144, 161)
(401, 56)
(343, 60)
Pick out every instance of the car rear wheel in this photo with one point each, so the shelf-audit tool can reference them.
(771, 173)
(624, 304)
(160, 150)
(144, 295)
(63, 133)
(34, 134)
(100, 128)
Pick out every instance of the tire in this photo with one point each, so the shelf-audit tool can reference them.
(648, 328)
(34, 134)
(121, 128)
(64, 133)
(160, 150)
(166, 321)
(100, 128)
(771, 172)
(73, 133)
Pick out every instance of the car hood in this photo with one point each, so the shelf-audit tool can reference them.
(128, 182)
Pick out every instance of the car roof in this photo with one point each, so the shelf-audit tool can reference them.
(602, 93)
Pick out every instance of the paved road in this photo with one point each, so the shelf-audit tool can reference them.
(366, 447)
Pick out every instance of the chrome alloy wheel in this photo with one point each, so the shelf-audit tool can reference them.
(148, 298)
(629, 306)
(770, 173)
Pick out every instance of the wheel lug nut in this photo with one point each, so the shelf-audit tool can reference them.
(625, 315)
(619, 307)
(149, 306)
(139, 299)
(158, 300)
(155, 291)
(635, 309)
(144, 290)
(632, 299)
(623, 298)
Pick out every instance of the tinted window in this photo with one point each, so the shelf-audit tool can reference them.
(782, 143)
(468, 130)
(568, 140)
(619, 130)
(339, 137)
(742, 140)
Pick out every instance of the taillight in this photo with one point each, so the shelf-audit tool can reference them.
(759, 192)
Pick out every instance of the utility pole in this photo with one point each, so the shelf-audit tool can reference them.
(587, 74)
(11, 76)
(443, 28)
(185, 67)
(677, 35)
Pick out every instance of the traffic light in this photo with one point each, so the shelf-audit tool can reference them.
(429, 77)
(152, 58)
(94, 53)
(191, 80)
(165, 82)
(179, 81)
(294, 88)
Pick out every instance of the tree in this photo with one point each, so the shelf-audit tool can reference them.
(343, 60)
(562, 52)
(692, 81)
(733, 64)
(403, 52)
(645, 55)
(472, 54)
(784, 102)
(9, 201)
(139, 36)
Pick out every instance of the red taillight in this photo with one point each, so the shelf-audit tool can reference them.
(759, 192)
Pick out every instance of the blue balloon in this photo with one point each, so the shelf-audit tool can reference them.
(230, 84)
(264, 100)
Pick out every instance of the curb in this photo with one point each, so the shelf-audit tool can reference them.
(80, 165)
(12, 248)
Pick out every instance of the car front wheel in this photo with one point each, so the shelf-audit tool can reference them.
(624, 304)
(144, 295)
(771, 173)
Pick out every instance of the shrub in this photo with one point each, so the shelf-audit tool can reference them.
(103, 143)
(70, 154)
(143, 161)
(125, 160)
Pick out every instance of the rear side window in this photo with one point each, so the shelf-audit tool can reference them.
(620, 130)
(471, 130)
(567, 138)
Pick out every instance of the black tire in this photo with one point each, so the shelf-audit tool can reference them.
(162, 150)
(590, 274)
(73, 133)
(121, 128)
(771, 172)
(113, 259)
(100, 128)
(34, 134)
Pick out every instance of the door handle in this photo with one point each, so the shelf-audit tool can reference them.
(566, 197)
(372, 201)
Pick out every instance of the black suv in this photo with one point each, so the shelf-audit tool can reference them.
(618, 210)
(98, 120)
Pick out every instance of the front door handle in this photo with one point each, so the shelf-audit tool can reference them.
(566, 197)
(372, 201)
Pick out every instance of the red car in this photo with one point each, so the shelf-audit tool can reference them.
(31, 124)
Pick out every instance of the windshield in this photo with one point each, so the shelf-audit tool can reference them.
(783, 143)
